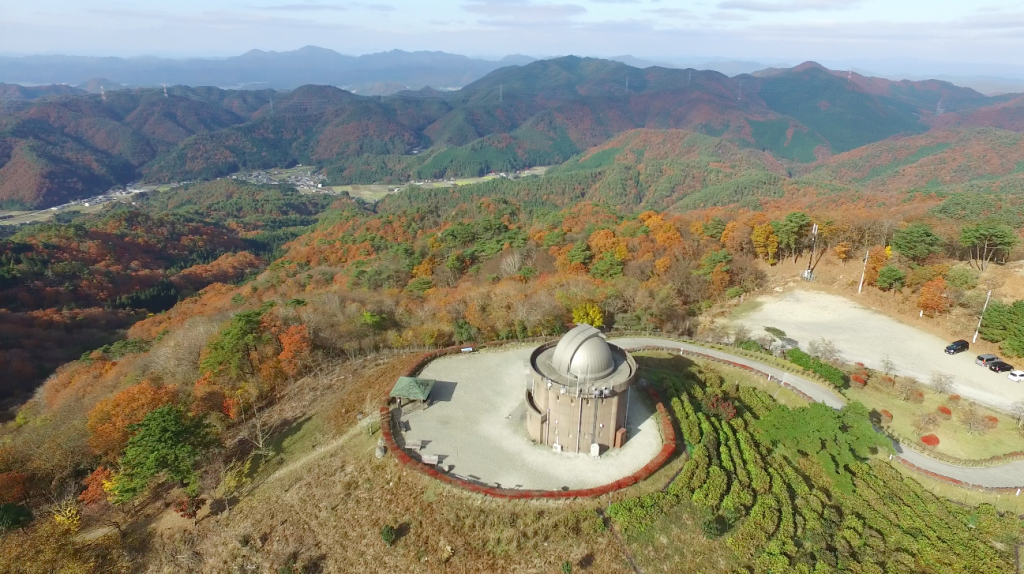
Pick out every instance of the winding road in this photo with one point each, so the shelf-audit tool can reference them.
(1007, 475)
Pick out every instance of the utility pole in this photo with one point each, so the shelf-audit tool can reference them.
(864, 270)
(814, 246)
(980, 319)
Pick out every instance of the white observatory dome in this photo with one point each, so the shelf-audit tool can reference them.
(583, 353)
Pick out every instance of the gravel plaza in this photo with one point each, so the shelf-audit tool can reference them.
(475, 427)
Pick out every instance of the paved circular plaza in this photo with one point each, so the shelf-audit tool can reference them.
(476, 428)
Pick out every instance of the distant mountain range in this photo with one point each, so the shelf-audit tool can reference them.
(64, 145)
(371, 74)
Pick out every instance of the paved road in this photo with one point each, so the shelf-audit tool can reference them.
(1009, 475)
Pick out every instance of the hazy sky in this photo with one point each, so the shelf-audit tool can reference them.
(831, 31)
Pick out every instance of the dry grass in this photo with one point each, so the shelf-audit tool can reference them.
(325, 510)
(675, 544)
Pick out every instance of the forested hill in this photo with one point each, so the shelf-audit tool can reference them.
(63, 147)
(68, 287)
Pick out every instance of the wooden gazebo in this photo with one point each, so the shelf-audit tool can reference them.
(412, 389)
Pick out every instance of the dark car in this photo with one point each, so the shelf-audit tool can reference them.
(1000, 367)
(957, 347)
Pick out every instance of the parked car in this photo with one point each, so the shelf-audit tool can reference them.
(957, 347)
(1000, 366)
(986, 360)
(1016, 376)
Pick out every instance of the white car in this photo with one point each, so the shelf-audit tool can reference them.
(1016, 376)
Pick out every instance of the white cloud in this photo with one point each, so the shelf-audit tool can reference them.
(523, 12)
(790, 6)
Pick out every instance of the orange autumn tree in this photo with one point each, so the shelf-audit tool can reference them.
(109, 420)
(295, 349)
(96, 486)
(876, 260)
(932, 298)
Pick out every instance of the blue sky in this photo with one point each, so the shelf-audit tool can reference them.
(912, 33)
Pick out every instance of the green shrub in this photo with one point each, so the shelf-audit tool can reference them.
(750, 345)
(831, 374)
(14, 516)
(387, 534)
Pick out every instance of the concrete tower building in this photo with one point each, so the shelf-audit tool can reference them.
(577, 394)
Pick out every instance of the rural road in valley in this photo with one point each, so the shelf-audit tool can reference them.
(1007, 475)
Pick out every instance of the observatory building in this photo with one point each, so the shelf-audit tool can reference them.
(577, 393)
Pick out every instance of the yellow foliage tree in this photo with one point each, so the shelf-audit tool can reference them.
(766, 242)
(588, 313)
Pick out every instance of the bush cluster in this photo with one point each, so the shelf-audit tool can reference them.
(817, 366)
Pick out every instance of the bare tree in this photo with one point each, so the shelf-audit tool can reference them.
(907, 388)
(259, 429)
(1017, 410)
(925, 423)
(740, 333)
(942, 383)
(888, 367)
(511, 263)
(824, 349)
(973, 421)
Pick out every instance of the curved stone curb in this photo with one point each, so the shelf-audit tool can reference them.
(668, 449)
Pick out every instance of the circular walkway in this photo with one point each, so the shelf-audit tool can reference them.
(476, 428)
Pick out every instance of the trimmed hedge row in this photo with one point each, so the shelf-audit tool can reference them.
(782, 512)
(826, 371)
(668, 449)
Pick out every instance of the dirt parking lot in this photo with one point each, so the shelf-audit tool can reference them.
(867, 336)
(476, 427)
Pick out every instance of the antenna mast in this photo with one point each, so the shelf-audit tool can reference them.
(103, 94)
(165, 90)
(627, 84)
(501, 92)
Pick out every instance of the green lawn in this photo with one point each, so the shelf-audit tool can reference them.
(954, 440)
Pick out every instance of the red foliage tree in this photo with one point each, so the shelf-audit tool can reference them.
(886, 416)
(13, 487)
(715, 403)
(945, 412)
(954, 399)
(930, 440)
(94, 491)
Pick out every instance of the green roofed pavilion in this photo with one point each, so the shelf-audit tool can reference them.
(412, 388)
